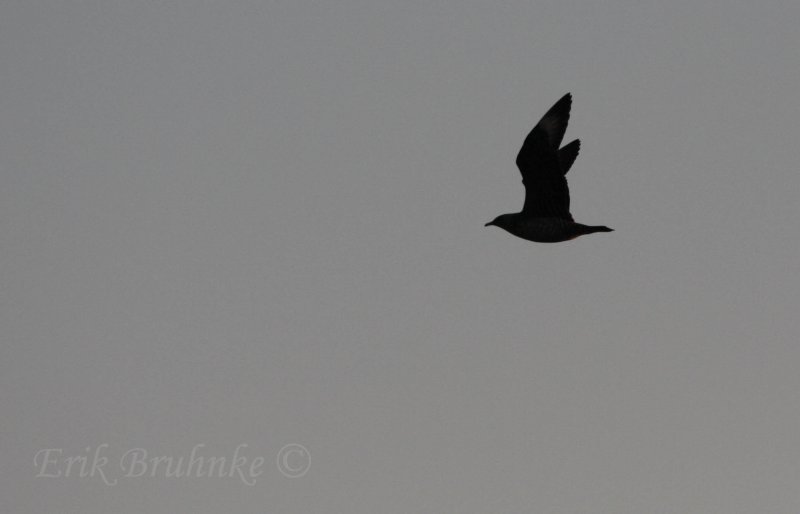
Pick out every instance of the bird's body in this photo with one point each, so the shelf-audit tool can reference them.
(544, 230)
(545, 217)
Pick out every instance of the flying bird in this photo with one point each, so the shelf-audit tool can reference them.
(545, 216)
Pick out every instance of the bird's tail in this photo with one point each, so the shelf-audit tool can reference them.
(598, 228)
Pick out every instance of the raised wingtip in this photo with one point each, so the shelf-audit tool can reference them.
(561, 107)
(565, 99)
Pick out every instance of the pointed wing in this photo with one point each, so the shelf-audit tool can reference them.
(568, 154)
(546, 190)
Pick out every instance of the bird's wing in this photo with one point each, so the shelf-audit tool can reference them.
(546, 190)
(568, 154)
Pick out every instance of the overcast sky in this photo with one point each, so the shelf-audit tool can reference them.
(261, 223)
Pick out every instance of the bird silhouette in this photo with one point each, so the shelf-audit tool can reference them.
(545, 216)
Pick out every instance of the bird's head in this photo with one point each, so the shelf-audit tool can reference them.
(502, 221)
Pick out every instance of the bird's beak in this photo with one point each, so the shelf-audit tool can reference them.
(489, 224)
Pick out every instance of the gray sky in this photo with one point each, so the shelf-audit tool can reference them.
(261, 223)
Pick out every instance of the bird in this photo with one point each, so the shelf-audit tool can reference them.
(545, 216)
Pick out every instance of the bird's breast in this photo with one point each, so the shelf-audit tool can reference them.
(544, 230)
